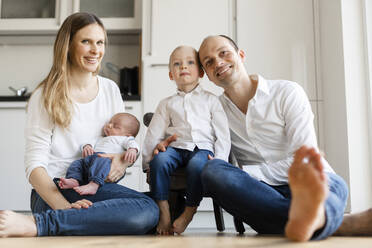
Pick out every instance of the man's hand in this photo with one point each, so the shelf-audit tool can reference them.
(162, 146)
(118, 166)
(210, 157)
(130, 155)
(87, 151)
(81, 204)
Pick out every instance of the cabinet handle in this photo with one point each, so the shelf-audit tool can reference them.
(128, 107)
(151, 27)
(158, 65)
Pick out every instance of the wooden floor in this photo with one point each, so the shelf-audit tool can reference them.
(190, 239)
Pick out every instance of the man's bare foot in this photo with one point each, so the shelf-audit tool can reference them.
(165, 225)
(68, 183)
(16, 225)
(309, 190)
(358, 224)
(180, 224)
(87, 189)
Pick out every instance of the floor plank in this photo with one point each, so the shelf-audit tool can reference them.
(190, 239)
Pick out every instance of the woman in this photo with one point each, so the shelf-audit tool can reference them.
(69, 108)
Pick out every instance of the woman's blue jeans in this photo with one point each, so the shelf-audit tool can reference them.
(165, 163)
(264, 207)
(116, 210)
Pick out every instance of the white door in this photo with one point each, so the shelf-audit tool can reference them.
(278, 38)
(170, 23)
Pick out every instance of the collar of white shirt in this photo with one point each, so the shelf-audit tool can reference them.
(197, 89)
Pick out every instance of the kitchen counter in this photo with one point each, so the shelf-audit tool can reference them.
(21, 101)
(12, 104)
(14, 98)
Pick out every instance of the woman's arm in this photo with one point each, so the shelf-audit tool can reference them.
(46, 188)
(38, 135)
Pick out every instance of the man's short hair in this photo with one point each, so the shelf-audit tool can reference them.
(232, 42)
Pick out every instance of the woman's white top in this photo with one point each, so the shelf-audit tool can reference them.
(54, 148)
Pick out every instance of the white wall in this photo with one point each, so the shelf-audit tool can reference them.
(28, 64)
(343, 75)
(22, 66)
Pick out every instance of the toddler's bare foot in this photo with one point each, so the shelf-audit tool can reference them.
(165, 225)
(16, 225)
(309, 190)
(68, 183)
(87, 189)
(180, 224)
(359, 224)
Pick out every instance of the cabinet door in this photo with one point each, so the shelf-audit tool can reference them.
(115, 14)
(170, 23)
(25, 15)
(278, 38)
(14, 186)
(156, 84)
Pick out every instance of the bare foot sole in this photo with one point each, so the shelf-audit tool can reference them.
(358, 224)
(309, 190)
(87, 189)
(16, 225)
(68, 183)
(181, 223)
(164, 226)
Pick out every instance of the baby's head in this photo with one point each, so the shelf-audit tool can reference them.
(122, 124)
(184, 67)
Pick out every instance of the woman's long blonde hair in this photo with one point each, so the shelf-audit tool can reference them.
(55, 95)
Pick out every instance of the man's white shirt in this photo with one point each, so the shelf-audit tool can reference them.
(279, 120)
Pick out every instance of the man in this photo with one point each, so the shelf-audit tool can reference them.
(284, 191)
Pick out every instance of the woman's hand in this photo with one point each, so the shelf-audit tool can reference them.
(162, 146)
(84, 203)
(118, 166)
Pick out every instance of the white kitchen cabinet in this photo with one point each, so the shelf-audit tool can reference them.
(14, 188)
(115, 14)
(26, 16)
(278, 38)
(135, 178)
(167, 24)
(156, 84)
(46, 16)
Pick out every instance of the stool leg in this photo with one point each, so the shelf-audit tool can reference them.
(239, 227)
(176, 202)
(218, 215)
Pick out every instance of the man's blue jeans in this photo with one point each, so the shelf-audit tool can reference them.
(116, 210)
(264, 207)
(165, 163)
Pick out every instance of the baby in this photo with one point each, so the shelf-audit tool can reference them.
(86, 175)
(199, 121)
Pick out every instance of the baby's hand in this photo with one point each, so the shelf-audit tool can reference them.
(130, 155)
(87, 151)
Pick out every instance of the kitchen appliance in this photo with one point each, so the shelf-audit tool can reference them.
(129, 81)
(19, 92)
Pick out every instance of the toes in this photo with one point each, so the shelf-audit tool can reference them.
(300, 155)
